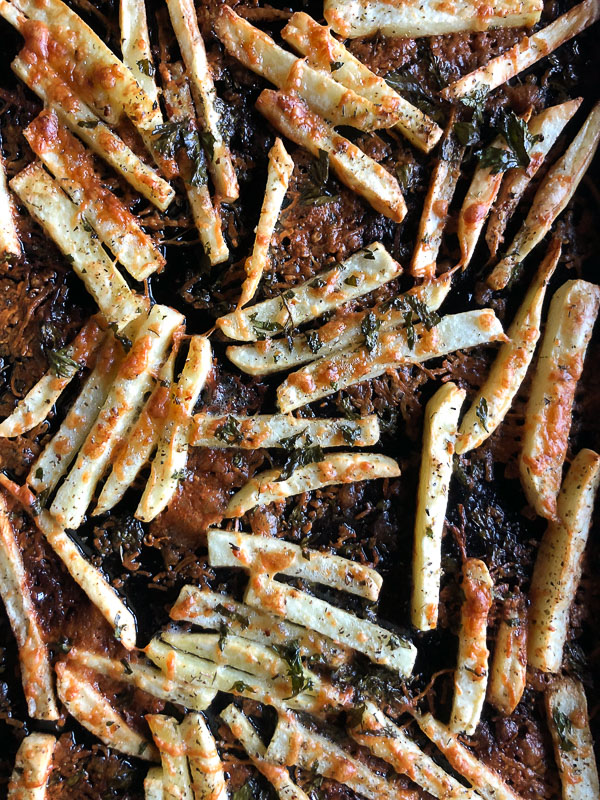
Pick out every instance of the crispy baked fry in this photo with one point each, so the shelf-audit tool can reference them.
(33, 764)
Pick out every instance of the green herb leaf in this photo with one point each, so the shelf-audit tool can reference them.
(88, 123)
(335, 65)
(348, 409)
(564, 727)
(290, 443)
(239, 618)
(429, 318)
(482, 413)
(208, 143)
(146, 67)
(240, 687)
(167, 138)
(291, 654)
(61, 364)
(517, 136)
(317, 193)
(300, 457)
(125, 342)
(313, 340)
(497, 159)
(349, 433)
(262, 327)
(369, 327)
(476, 100)
(467, 133)
(405, 174)
(229, 431)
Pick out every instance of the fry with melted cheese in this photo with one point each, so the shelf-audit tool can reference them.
(10, 244)
(168, 738)
(206, 767)
(508, 673)
(33, 764)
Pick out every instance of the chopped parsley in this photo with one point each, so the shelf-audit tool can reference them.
(61, 364)
(146, 67)
(298, 678)
(370, 329)
(229, 431)
(314, 342)
(300, 457)
(263, 327)
(564, 728)
(316, 192)
(482, 413)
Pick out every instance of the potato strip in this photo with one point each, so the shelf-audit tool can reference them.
(167, 736)
(392, 349)
(322, 50)
(135, 46)
(569, 724)
(33, 765)
(555, 191)
(279, 172)
(525, 53)
(557, 569)
(206, 767)
(235, 549)
(495, 397)
(93, 711)
(359, 274)
(212, 610)
(51, 208)
(508, 674)
(34, 660)
(153, 784)
(291, 116)
(38, 402)
(10, 244)
(378, 644)
(573, 311)
(439, 435)
(168, 465)
(121, 408)
(413, 18)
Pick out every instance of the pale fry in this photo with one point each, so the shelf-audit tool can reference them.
(153, 784)
(168, 738)
(33, 764)
(508, 674)
(135, 46)
(10, 244)
(206, 767)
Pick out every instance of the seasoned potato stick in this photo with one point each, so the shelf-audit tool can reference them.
(393, 348)
(378, 644)
(33, 765)
(555, 191)
(206, 767)
(51, 208)
(10, 244)
(235, 549)
(322, 50)
(124, 401)
(153, 784)
(279, 172)
(191, 44)
(294, 745)
(387, 741)
(135, 46)
(508, 371)
(439, 434)
(73, 113)
(167, 736)
(571, 318)
(569, 724)
(291, 116)
(336, 468)
(359, 274)
(557, 570)
(525, 53)
(471, 675)
(487, 783)
(171, 453)
(34, 660)
(73, 169)
(275, 430)
(212, 610)
(38, 402)
(548, 124)
(344, 332)
(508, 674)
(353, 18)
(93, 711)
(323, 95)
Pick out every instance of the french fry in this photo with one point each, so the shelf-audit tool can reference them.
(290, 115)
(557, 570)
(206, 767)
(294, 745)
(336, 468)
(121, 408)
(393, 348)
(181, 111)
(439, 435)
(486, 782)
(191, 44)
(572, 314)
(344, 332)
(235, 549)
(435, 211)
(168, 738)
(378, 644)
(244, 731)
(359, 274)
(508, 371)
(135, 46)
(38, 402)
(279, 172)
(10, 244)
(212, 610)
(525, 53)
(322, 50)
(548, 124)
(34, 660)
(323, 95)
(73, 169)
(353, 18)
(471, 675)
(153, 784)
(555, 191)
(74, 113)
(569, 724)
(171, 452)
(387, 741)
(92, 710)
(33, 764)
(274, 430)
(51, 208)
(508, 674)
